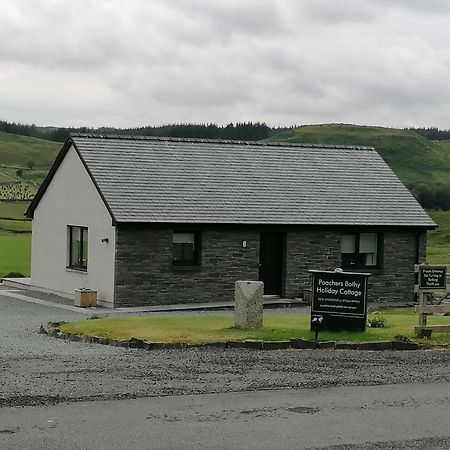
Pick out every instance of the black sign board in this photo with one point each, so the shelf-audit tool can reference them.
(340, 298)
(432, 277)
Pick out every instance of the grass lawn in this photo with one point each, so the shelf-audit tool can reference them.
(196, 329)
(15, 251)
(438, 250)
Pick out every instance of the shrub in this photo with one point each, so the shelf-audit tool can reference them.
(14, 275)
(377, 319)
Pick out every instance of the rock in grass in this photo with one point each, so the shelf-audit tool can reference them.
(346, 345)
(375, 345)
(327, 345)
(235, 344)
(400, 345)
(135, 343)
(276, 345)
(303, 344)
(255, 344)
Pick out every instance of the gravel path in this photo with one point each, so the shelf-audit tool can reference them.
(36, 369)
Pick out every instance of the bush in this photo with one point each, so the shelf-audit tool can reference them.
(14, 275)
(377, 319)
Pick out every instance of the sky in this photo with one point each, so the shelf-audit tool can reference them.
(283, 62)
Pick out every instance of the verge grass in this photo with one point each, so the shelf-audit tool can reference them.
(438, 250)
(15, 251)
(195, 329)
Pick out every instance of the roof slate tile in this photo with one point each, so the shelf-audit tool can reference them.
(147, 179)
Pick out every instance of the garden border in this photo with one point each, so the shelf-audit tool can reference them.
(53, 330)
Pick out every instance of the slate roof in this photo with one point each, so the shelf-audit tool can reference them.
(166, 180)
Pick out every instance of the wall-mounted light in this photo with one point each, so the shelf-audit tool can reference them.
(105, 240)
(244, 244)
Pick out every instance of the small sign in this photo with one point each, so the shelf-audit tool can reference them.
(432, 277)
(341, 297)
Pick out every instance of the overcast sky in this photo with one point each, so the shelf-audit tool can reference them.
(283, 62)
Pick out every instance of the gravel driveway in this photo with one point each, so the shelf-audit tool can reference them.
(36, 369)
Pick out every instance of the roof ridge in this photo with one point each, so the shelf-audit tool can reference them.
(128, 137)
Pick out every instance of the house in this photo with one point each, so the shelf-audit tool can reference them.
(147, 220)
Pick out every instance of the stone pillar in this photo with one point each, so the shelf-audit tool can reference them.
(248, 304)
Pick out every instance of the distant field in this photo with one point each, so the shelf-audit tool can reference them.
(13, 210)
(5, 177)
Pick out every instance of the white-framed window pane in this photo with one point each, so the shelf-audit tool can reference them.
(348, 243)
(368, 243)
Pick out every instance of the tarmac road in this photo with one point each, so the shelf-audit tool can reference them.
(38, 371)
(403, 416)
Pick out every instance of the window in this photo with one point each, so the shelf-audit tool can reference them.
(359, 250)
(186, 249)
(78, 247)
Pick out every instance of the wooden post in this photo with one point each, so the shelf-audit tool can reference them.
(422, 303)
(426, 306)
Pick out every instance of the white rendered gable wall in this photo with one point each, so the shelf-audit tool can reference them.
(72, 199)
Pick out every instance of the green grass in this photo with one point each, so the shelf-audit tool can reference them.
(196, 329)
(15, 253)
(34, 176)
(412, 157)
(5, 177)
(438, 251)
(13, 210)
(19, 151)
(15, 238)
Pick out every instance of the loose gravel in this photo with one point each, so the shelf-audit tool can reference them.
(36, 369)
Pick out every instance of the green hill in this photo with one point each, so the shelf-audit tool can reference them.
(412, 157)
(24, 151)
(24, 162)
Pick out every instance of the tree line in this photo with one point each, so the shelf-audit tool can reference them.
(431, 195)
(433, 133)
(249, 131)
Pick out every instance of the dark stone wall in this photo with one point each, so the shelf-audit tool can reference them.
(318, 249)
(394, 281)
(144, 272)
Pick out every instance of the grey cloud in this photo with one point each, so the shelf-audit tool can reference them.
(279, 61)
(434, 7)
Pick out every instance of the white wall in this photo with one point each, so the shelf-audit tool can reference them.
(72, 199)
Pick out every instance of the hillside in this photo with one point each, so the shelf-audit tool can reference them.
(24, 162)
(412, 157)
(20, 151)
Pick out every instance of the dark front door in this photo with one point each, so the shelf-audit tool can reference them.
(271, 249)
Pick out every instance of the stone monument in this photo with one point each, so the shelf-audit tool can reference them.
(248, 304)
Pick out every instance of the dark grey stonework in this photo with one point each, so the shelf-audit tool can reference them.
(145, 275)
(394, 281)
(306, 250)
